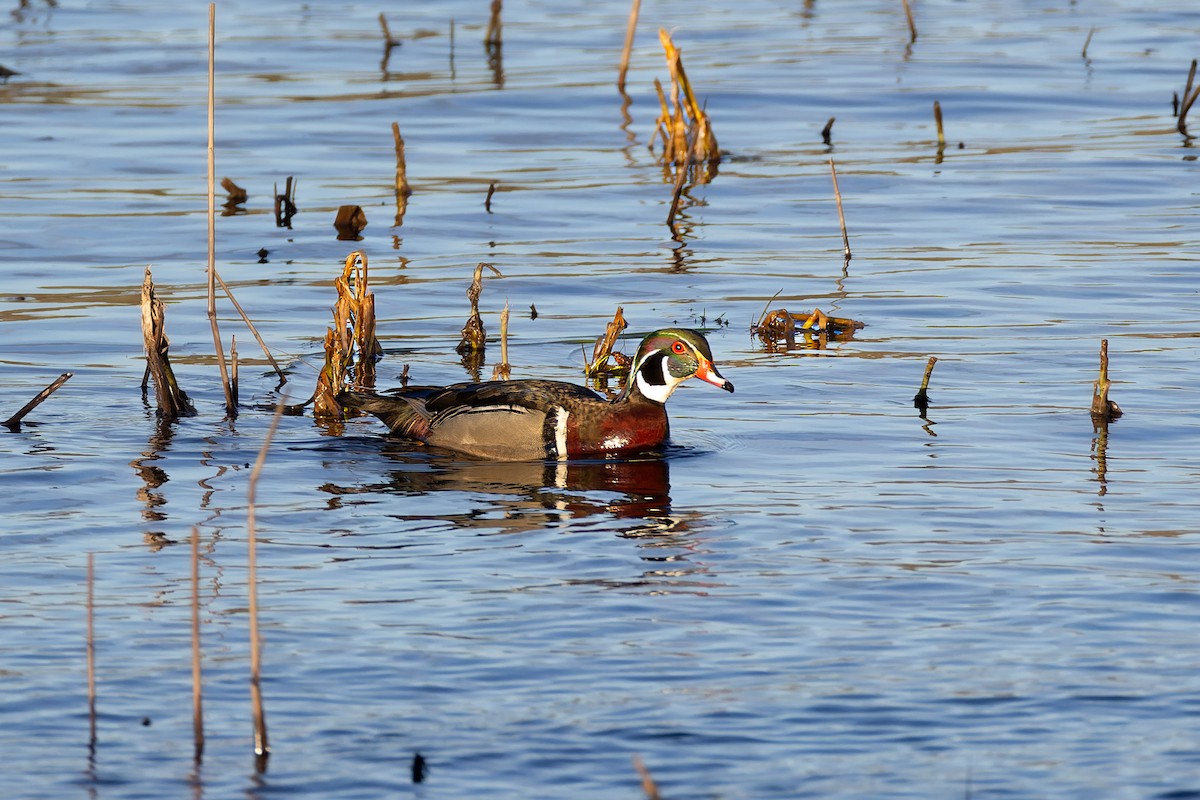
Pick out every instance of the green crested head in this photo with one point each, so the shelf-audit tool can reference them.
(667, 358)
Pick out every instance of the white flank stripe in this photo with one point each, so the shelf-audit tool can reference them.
(560, 432)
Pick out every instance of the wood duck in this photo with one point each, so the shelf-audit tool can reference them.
(528, 420)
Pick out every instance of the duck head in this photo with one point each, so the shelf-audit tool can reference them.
(669, 357)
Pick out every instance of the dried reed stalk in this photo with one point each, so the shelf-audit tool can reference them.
(937, 120)
(262, 748)
(492, 39)
(285, 204)
(912, 26)
(1190, 94)
(683, 124)
(389, 41)
(197, 694)
(1087, 42)
(403, 190)
(503, 370)
(602, 353)
(837, 195)
(13, 423)
(487, 201)
(630, 29)
(351, 348)
(230, 405)
(172, 402)
(1103, 409)
(474, 336)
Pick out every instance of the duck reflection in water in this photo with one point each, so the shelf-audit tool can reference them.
(536, 494)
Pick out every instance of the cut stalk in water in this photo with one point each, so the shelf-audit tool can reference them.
(503, 370)
(1190, 94)
(91, 652)
(1103, 409)
(13, 423)
(921, 398)
(172, 402)
(937, 119)
(1087, 42)
(649, 787)
(827, 131)
(493, 39)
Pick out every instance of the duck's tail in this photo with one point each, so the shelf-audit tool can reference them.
(400, 415)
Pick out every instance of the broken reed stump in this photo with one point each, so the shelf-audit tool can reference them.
(1190, 94)
(351, 348)
(474, 335)
(605, 363)
(1087, 42)
(234, 197)
(403, 190)
(171, 401)
(1103, 409)
(503, 370)
(683, 125)
(827, 132)
(13, 423)
(285, 204)
(937, 121)
(921, 398)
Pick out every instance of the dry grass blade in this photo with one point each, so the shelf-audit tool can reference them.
(1087, 42)
(604, 361)
(912, 26)
(474, 336)
(253, 330)
(937, 120)
(172, 402)
(351, 348)
(648, 784)
(13, 423)
(230, 403)
(1103, 409)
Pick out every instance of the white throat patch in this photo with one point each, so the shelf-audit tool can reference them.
(658, 394)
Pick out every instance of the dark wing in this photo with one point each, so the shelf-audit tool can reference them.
(536, 395)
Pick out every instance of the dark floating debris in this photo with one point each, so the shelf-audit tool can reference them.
(420, 768)
(827, 131)
(349, 222)
(778, 329)
(262, 255)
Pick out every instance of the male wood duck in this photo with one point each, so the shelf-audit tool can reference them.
(528, 420)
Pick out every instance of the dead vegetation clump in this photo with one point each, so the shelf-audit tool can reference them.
(683, 125)
(351, 348)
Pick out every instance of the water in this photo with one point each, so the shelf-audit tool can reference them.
(816, 592)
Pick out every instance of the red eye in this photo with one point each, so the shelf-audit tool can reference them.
(679, 348)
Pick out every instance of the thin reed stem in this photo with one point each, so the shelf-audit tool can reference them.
(837, 195)
(13, 423)
(91, 651)
(230, 406)
(630, 29)
(262, 746)
(197, 694)
(253, 330)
